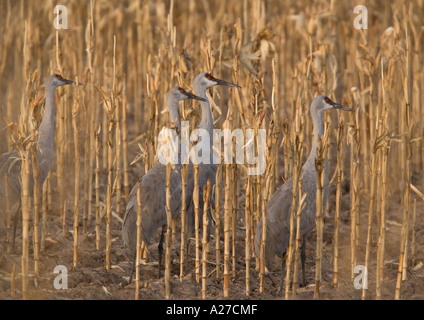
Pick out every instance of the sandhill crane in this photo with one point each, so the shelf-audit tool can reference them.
(279, 206)
(11, 167)
(201, 83)
(153, 193)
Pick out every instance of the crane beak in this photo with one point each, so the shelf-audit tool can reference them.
(336, 105)
(72, 82)
(194, 97)
(220, 82)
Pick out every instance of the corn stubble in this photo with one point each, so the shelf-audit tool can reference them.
(281, 61)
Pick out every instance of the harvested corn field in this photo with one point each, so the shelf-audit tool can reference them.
(86, 88)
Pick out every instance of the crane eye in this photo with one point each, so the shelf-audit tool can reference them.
(58, 77)
(181, 90)
(209, 77)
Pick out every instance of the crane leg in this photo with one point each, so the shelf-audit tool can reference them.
(143, 247)
(303, 259)
(160, 247)
(210, 221)
(15, 225)
(186, 255)
(283, 272)
(132, 268)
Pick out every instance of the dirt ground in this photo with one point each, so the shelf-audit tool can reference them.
(92, 281)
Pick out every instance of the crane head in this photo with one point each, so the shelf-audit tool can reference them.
(56, 80)
(322, 103)
(207, 80)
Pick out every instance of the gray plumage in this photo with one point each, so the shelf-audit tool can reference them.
(153, 191)
(153, 199)
(201, 83)
(278, 208)
(205, 172)
(10, 163)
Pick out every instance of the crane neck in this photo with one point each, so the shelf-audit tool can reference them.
(318, 123)
(318, 132)
(46, 129)
(206, 122)
(172, 106)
